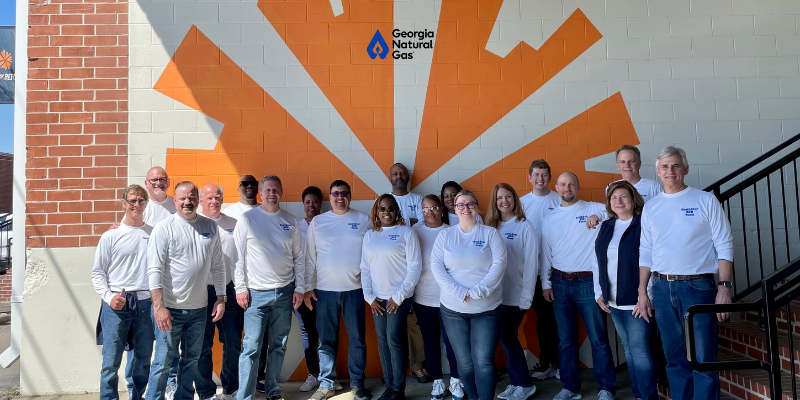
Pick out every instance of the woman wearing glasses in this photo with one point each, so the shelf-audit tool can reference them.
(449, 191)
(390, 268)
(426, 304)
(468, 261)
(522, 266)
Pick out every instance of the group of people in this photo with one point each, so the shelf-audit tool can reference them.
(170, 275)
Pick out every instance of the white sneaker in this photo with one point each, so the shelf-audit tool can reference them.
(456, 389)
(231, 396)
(565, 394)
(310, 384)
(522, 393)
(439, 390)
(605, 395)
(337, 385)
(541, 373)
(169, 392)
(505, 394)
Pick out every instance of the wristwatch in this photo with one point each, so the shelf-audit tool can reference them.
(727, 284)
(224, 298)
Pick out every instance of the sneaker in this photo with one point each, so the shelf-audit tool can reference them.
(231, 396)
(542, 372)
(361, 393)
(505, 394)
(456, 389)
(421, 375)
(605, 395)
(276, 397)
(260, 387)
(439, 390)
(169, 392)
(397, 396)
(565, 394)
(337, 386)
(522, 393)
(386, 394)
(310, 384)
(322, 394)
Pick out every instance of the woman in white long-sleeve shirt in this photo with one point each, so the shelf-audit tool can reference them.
(390, 268)
(468, 261)
(522, 267)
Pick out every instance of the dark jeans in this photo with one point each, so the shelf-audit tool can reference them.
(307, 319)
(230, 335)
(391, 330)
(430, 324)
(635, 334)
(474, 338)
(116, 325)
(515, 355)
(187, 330)
(350, 305)
(546, 327)
(571, 297)
(670, 300)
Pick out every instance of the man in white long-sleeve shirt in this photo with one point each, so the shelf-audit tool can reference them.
(248, 197)
(629, 162)
(230, 327)
(568, 248)
(183, 250)
(119, 276)
(333, 256)
(686, 239)
(269, 281)
(161, 205)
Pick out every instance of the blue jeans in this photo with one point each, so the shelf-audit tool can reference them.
(635, 334)
(430, 325)
(474, 338)
(515, 355)
(392, 332)
(270, 314)
(670, 300)
(571, 297)
(351, 306)
(116, 325)
(230, 335)
(187, 330)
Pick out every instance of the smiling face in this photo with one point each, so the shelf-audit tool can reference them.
(211, 200)
(248, 189)
(271, 192)
(628, 164)
(621, 202)
(505, 203)
(186, 201)
(398, 176)
(466, 208)
(449, 199)
(157, 183)
(671, 171)
(134, 205)
(312, 205)
(539, 178)
(387, 213)
(340, 199)
(433, 215)
(567, 186)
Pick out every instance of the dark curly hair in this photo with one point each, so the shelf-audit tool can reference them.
(376, 223)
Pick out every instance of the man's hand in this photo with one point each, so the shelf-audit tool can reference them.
(243, 299)
(592, 221)
(723, 297)
(548, 295)
(377, 309)
(412, 221)
(643, 307)
(163, 318)
(391, 307)
(307, 298)
(358, 277)
(115, 226)
(602, 303)
(466, 297)
(219, 309)
(297, 299)
(118, 301)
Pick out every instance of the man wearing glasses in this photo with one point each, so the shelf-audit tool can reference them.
(161, 205)
(333, 257)
(248, 197)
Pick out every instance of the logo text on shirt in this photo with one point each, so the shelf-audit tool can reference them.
(581, 219)
(354, 225)
(511, 235)
(230, 231)
(285, 226)
(689, 212)
(479, 243)
(393, 237)
(205, 235)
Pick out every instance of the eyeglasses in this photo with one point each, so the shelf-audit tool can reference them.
(471, 205)
(387, 209)
(158, 180)
(249, 184)
(134, 202)
(343, 193)
(430, 209)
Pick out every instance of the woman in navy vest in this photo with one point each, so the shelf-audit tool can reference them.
(616, 283)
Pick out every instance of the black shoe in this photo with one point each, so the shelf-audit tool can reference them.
(387, 394)
(361, 393)
(421, 375)
(260, 387)
(397, 396)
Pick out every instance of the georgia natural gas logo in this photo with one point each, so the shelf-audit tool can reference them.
(404, 43)
(5, 60)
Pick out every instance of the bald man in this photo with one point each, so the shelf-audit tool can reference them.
(568, 248)
(161, 205)
(231, 325)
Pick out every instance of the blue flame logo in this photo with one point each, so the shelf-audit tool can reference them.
(377, 47)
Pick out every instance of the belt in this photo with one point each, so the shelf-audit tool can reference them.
(682, 277)
(572, 275)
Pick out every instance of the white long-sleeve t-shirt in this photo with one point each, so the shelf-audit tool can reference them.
(566, 242)
(390, 263)
(469, 262)
(157, 211)
(648, 188)
(226, 225)
(685, 233)
(236, 210)
(271, 251)
(120, 262)
(427, 291)
(522, 262)
(180, 256)
(410, 206)
(536, 207)
(333, 250)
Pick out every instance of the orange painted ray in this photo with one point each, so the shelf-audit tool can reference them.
(333, 49)
(599, 130)
(470, 88)
(259, 137)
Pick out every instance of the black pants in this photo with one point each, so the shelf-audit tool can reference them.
(546, 328)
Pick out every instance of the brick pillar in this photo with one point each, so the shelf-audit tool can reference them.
(77, 120)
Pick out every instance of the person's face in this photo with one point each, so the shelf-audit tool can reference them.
(567, 187)
(340, 198)
(398, 176)
(621, 202)
(671, 170)
(431, 212)
(505, 201)
(539, 178)
(134, 204)
(211, 201)
(449, 199)
(387, 213)
(248, 190)
(186, 201)
(466, 207)
(312, 205)
(271, 192)
(157, 182)
(627, 164)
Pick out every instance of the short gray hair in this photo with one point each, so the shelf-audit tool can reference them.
(672, 150)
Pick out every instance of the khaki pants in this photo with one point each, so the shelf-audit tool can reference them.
(416, 352)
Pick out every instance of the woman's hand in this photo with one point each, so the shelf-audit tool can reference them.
(643, 307)
(602, 303)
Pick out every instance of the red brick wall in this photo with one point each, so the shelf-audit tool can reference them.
(76, 120)
(5, 287)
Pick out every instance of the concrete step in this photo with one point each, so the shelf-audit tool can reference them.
(746, 338)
